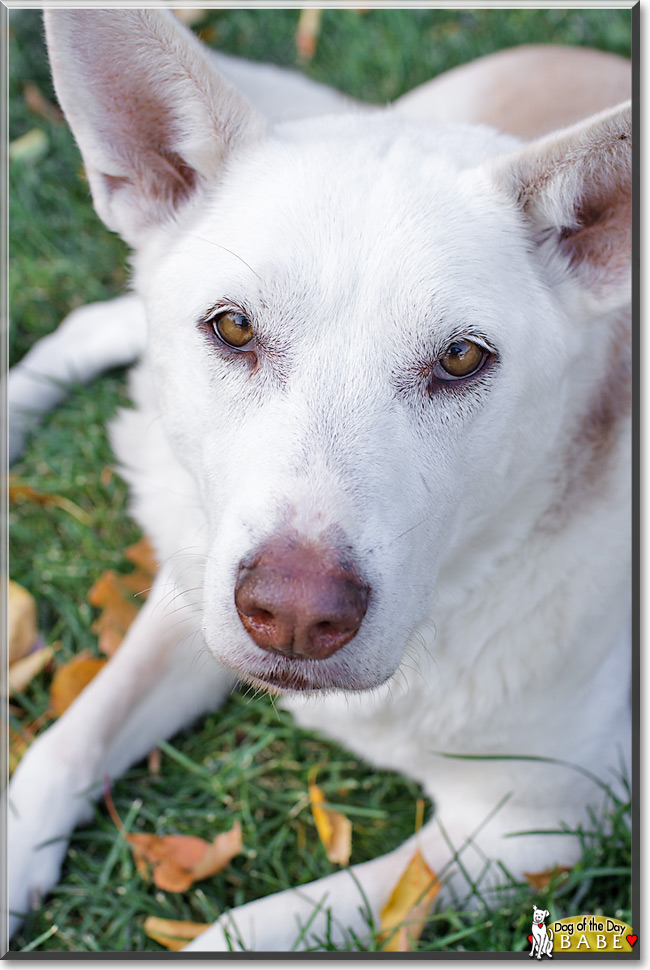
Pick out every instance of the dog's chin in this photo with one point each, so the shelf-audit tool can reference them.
(277, 674)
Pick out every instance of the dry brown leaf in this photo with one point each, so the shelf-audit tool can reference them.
(172, 933)
(334, 829)
(142, 555)
(21, 492)
(307, 32)
(22, 632)
(219, 853)
(542, 880)
(39, 105)
(115, 595)
(23, 671)
(175, 862)
(404, 916)
(70, 679)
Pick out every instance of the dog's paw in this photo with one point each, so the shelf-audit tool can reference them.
(42, 812)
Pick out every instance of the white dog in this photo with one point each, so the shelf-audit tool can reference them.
(542, 939)
(390, 355)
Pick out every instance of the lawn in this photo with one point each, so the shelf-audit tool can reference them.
(248, 761)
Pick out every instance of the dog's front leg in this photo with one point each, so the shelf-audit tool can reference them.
(159, 680)
(89, 341)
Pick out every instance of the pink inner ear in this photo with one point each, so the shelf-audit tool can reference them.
(600, 243)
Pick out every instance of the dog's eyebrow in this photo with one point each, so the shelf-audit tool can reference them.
(225, 248)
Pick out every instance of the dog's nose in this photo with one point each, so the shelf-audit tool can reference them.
(300, 600)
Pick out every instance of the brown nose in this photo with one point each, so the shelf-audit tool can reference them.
(300, 600)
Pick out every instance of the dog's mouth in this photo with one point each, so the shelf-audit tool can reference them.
(279, 674)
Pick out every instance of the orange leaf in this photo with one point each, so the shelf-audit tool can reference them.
(334, 829)
(143, 556)
(404, 916)
(172, 933)
(70, 679)
(114, 594)
(219, 853)
(175, 862)
(542, 880)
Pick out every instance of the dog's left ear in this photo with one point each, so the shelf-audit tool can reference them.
(574, 189)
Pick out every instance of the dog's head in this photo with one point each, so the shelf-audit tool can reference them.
(539, 915)
(374, 342)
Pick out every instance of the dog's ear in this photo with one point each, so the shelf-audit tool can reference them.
(153, 119)
(575, 190)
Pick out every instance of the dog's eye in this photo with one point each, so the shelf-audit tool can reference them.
(234, 328)
(462, 358)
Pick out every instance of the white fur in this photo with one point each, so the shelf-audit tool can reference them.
(360, 245)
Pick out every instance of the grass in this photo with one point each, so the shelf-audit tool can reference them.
(248, 761)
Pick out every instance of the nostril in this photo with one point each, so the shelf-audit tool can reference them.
(298, 600)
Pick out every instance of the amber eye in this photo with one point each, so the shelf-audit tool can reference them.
(462, 358)
(234, 328)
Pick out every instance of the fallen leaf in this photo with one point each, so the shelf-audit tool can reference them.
(307, 32)
(190, 15)
(334, 829)
(29, 147)
(142, 555)
(175, 862)
(219, 853)
(19, 491)
(70, 679)
(23, 671)
(542, 880)
(115, 595)
(405, 914)
(172, 933)
(22, 632)
(39, 105)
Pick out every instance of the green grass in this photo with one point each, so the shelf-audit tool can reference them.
(248, 760)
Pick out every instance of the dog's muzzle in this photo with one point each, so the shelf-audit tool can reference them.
(300, 599)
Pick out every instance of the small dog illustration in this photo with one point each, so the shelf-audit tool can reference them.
(542, 939)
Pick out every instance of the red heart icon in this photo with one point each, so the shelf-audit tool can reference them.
(632, 939)
(530, 939)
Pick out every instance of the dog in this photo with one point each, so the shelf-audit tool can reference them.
(383, 411)
(542, 939)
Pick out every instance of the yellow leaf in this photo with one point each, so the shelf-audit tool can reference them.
(23, 671)
(70, 679)
(404, 916)
(334, 829)
(22, 633)
(172, 933)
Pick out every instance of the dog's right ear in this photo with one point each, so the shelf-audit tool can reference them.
(574, 190)
(152, 117)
